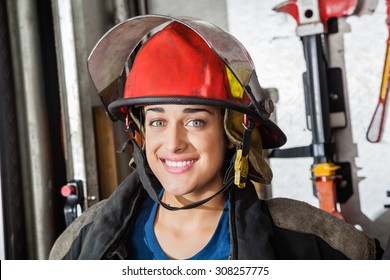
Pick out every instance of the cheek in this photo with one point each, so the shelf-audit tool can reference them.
(150, 146)
(214, 145)
(151, 138)
(151, 158)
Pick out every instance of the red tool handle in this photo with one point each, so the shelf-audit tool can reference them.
(374, 131)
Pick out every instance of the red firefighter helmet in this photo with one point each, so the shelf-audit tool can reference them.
(177, 66)
(175, 74)
(185, 61)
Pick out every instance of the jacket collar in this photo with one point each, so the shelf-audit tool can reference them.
(251, 226)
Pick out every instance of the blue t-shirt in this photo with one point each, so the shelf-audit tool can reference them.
(143, 245)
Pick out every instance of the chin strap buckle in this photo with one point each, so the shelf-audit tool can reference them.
(241, 168)
(241, 164)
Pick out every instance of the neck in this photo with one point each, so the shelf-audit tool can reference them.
(204, 216)
(181, 234)
(215, 203)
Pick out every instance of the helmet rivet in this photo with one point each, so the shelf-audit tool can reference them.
(268, 106)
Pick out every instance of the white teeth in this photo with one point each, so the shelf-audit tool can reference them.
(178, 163)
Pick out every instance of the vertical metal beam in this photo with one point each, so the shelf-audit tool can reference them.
(75, 96)
(13, 228)
(142, 7)
(2, 228)
(33, 126)
(317, 94)
(121, 10)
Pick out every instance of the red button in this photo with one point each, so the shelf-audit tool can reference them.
(67, 190)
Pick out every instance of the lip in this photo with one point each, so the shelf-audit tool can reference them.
(177, 166)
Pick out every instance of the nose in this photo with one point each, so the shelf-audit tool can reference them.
(175, 138)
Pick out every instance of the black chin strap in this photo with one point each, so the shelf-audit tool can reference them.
(139, 160)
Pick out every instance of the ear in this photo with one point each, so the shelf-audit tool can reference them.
(229, 145)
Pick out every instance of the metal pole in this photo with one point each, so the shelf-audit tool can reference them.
(2, 228)
(142, 7)
(33, 126)
(319, 111)
(75, 96)
(121, 10)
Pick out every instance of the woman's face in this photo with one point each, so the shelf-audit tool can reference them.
(185, 148)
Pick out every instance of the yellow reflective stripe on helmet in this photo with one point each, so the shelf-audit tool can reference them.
(235, 87)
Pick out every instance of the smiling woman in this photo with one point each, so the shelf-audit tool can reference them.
(190, 168)
(193, 95)
(179, 150)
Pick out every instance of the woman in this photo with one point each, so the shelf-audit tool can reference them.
(193, 95)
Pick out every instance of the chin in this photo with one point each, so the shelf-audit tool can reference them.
(175, 190)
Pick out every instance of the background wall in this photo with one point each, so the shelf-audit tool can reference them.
(278, 55)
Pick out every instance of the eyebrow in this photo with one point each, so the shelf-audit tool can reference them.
(185, 110)
(155, 109)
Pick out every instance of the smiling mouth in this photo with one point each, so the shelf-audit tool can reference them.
(171, 163)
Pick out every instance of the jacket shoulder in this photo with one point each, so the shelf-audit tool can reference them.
(64, 242)
(304, 218)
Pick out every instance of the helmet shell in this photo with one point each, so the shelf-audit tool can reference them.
(189, 61)
(177, 66)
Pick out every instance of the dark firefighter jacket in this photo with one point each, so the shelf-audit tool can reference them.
(271, 229)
